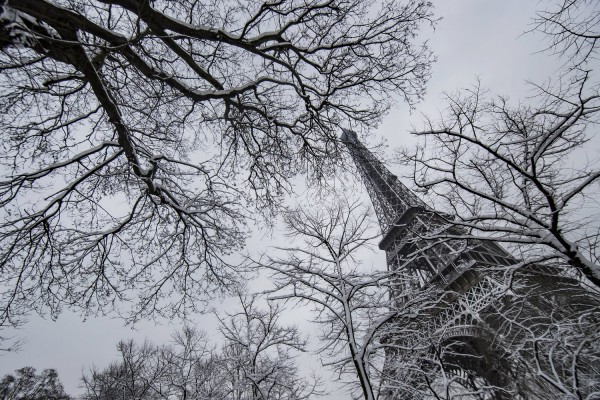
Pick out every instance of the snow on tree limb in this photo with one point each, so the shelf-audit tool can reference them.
(139, 134)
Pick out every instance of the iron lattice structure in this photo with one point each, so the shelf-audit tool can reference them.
(390, 197)
(485, 317)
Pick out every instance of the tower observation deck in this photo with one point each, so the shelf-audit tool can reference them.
(488, 329)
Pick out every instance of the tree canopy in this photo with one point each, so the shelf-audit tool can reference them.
(137, 134)
(26, 384)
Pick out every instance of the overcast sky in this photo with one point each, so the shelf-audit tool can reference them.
(476, 38)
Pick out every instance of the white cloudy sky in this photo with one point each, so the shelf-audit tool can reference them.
(476, 38)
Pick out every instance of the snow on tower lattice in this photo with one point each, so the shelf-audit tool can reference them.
(474, 315)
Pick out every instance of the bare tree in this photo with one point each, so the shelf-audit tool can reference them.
(139, 374)
(135, 131)
(255, 362)
(524, 175)
(519, 175)
(382, 331)
(554, 352)
(258, 360)
(26, 384)
(352, 303)
(389, 335)
(193, 370)
(571, 27)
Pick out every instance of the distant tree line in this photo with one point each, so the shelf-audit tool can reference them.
(256, 361)
(26, 384)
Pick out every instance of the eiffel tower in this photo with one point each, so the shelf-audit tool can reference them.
(489, 332)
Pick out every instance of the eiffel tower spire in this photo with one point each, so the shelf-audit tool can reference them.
(481, 332)
(391, 199)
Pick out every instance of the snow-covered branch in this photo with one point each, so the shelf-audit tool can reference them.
(520, 175)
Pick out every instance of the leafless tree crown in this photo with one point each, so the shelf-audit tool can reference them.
(519, 174)
(572, 29)
(136, 133)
